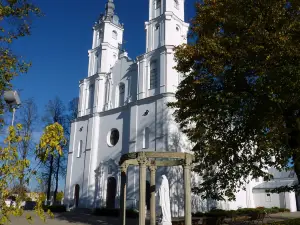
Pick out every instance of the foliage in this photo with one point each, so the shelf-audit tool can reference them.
(51, 141)
(239, 100)
(11, 169)
(15, 17)
(60, 196)
(51, 146)
(239, 212)
(130, 213)
(54, 168)
(28, 199)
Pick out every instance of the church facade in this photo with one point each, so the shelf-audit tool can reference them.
(122, 104)
(123, 108)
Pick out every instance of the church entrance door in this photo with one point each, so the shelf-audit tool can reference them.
(111, 192)
(76, 196)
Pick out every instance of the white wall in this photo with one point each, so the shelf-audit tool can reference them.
(281, 200)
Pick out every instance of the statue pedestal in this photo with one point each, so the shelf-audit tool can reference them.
(165, 223)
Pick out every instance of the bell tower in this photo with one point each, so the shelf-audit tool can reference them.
(166, 24)
(107, 39)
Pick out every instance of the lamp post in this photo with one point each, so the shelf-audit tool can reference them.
(13, 100)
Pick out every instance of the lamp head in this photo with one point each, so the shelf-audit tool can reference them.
(12, 98)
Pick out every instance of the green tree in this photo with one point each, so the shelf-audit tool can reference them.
(239, 100)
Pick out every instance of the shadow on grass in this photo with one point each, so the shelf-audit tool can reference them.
(89, 219)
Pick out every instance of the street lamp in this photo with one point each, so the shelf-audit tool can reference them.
(13, 100)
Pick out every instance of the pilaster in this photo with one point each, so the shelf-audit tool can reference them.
(123, 170)
(152, 169)
(187, 189)
(142, 160)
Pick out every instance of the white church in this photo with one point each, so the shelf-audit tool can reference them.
(122, 109)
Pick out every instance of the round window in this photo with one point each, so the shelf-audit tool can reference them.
(113, 137)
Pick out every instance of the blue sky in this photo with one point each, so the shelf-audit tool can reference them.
(59, 44)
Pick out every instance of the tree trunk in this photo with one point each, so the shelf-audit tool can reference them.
(49, 178)
(23, 157)
(57, 172)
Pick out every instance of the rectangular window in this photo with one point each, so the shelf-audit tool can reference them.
(121, 94)
(153, 74)
(91, 96)
(146, 138)
(79, 150)
(268, 197)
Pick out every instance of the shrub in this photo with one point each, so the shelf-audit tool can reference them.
(253, 212)
(55, 208)
(130, 213)
(198, 214)
(28, 199)
(217, 213)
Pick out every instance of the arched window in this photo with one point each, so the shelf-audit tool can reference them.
(176, 4)
(121, 94)
(177, 28)
(114, 34)
(146, 138)
(157, 4)
(79, 150)
(153, 74)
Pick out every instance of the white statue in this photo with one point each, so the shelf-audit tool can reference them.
(164, 201)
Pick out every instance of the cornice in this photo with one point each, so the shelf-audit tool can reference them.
(135, 103)
(167, 15)
(168, 48)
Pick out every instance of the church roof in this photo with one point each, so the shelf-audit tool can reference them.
(275, 184)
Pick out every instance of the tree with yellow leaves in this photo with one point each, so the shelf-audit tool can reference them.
(51, 146)
(12, 168)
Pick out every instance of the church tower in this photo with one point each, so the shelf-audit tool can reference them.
(164, 30)
(166, 24)
(107, 39)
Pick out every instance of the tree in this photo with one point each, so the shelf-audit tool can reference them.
(51, 144)
(55, 113)
(73, 112)
(15, 16)
(60, 196)
(28, 118)
(239, 100)
(12, 168)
